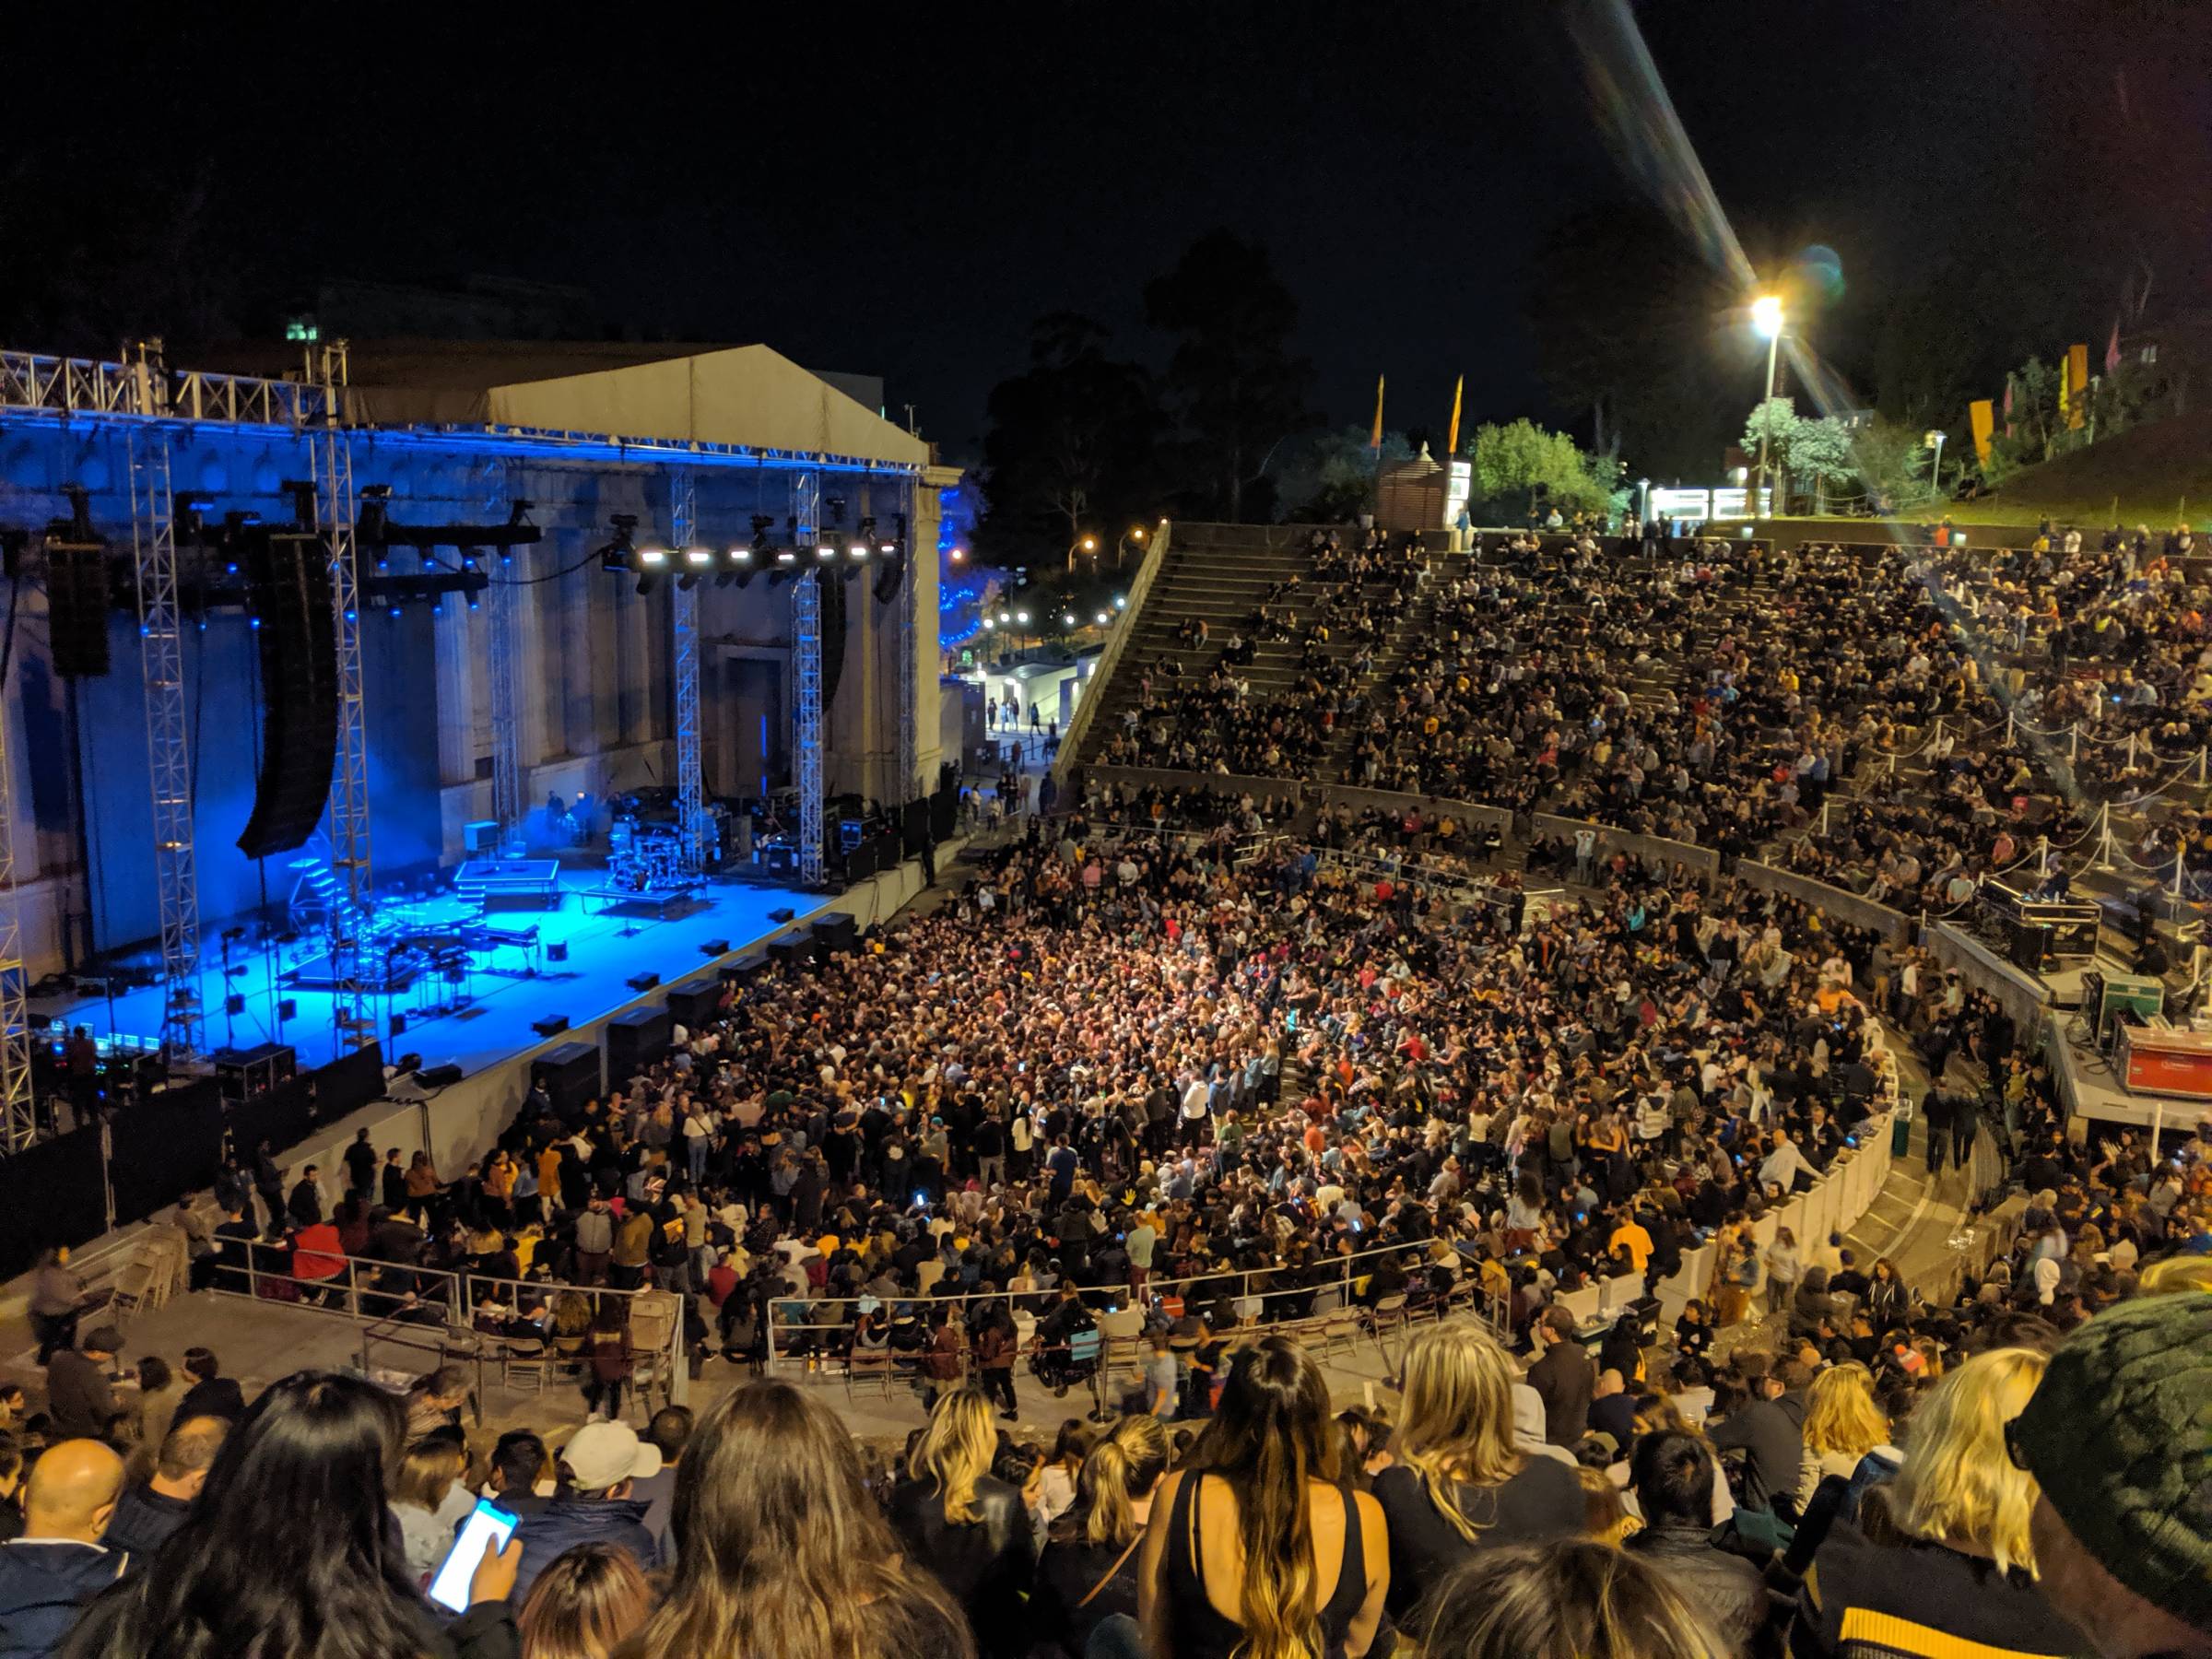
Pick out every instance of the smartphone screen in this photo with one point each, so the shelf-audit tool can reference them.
(450, 1588)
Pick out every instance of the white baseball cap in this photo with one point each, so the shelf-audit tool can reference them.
(606, 1454)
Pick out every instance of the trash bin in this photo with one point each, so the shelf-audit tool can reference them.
(1901, 1135)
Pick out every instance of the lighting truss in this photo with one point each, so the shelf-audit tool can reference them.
(692, 823)
(910, 624)
(168, 741)
(506, 709)
(354, 1007)
(806, 675)
(18, 1120)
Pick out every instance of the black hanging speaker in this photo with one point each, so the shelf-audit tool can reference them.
(289, 594)
(77, 608)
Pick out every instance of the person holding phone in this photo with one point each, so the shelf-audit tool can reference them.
(246, 1576)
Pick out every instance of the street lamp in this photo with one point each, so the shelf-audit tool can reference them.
(1087, 545)
(1135, 533)
(1766, 317)
(1934, 439)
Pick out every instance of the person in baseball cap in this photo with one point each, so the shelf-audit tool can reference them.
(595, 1503)
(2118, 1436)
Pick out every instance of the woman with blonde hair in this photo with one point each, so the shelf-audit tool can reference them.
(429, 1499)
(1842, 1425)
(973, 1531)
(780, 1550)
(1460, 1484)
(1575, 1599)
(1088, 1571)
(1944, 1560)
(587, 1600)
(1255, 1546)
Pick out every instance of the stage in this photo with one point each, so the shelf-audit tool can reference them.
(490, 1013)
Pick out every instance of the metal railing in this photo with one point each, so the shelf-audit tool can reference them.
(392, 1300)
(800, 1341)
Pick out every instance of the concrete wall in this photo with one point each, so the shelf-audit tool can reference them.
(1648, 847)
(1847, 907)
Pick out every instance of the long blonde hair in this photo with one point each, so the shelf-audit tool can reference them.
(955, 1451)
(1121, 1468)
(1958, 1485)
(1458, 1421)
(1840, 1415)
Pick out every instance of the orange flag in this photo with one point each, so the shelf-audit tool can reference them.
(2078, 382)
(1984, 415)
(1451, 443)
(1375, 443)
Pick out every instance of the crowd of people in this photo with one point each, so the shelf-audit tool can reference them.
(1980, 706)
(1201, 1089)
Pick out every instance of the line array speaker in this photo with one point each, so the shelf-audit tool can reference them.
(288, 591)
(77, 608)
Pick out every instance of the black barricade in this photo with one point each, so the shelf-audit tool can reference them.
(169, 1145)
(50, 1193)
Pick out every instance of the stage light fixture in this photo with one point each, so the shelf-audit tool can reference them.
(699, 555)
(619, 552)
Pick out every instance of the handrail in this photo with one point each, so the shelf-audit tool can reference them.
(1079, 724)
(452, 1291)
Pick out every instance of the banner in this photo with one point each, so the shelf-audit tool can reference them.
(1985, 417)
(1451, 443)
(2078, 376)
(1375, 443)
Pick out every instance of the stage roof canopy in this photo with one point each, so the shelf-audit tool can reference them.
(750, 396)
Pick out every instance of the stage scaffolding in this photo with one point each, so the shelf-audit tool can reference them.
(354, 1003)
(19, 1118)
(909, 627)
(694, 829)
(167, 729)
(806, 674)
(506, 711)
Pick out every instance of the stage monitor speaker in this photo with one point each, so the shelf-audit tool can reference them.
(835, 934)
(792, 950)
(715, 948)
(783, 913)
(634, 1040)
(77, 608)
(642, 981)
(552, 1025)
(288, 592)
(568, 1075)
(439, 1076)
(695, 1002)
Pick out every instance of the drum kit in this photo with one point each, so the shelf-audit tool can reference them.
(643, 857)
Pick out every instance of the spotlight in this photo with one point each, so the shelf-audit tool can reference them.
(1101, 618)
(699, 555)
(959, 556)
(787, 567)
(866, 532)
(1120, 602)
(653, 556)
(618, 553)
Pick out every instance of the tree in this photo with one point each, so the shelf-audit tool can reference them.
(1775, 421)
(1071, 447)
(1820, 450)
(1511, 464)
(1328, 476)
(1237, 389)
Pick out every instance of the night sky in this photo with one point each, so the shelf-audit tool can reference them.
(901, 194)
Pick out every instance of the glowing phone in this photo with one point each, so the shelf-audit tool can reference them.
(487, 1521)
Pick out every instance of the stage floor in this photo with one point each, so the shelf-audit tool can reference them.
(606, 948)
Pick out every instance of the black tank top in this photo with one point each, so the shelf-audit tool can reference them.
(1197, 1628)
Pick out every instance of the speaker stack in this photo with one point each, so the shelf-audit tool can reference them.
(77, 608)
(289, 594)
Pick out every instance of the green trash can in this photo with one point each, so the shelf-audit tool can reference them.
(1901, 1134)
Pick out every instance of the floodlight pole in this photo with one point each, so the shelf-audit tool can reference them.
(1765, 426)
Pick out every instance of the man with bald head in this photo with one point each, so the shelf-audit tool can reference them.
(59, 1563)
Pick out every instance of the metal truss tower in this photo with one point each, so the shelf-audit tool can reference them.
(506, 712)
(806, 673)
(910, 625)
(355, 1004)
(168, 738)
(18, 1120)
(694, 828)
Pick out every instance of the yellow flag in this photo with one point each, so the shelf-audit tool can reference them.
(2077, 378)
(1375, 443)
(1451, 443)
